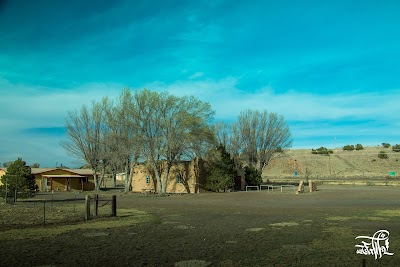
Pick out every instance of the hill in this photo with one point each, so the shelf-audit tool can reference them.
(339, 165)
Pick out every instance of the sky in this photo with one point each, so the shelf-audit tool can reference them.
(331, 68)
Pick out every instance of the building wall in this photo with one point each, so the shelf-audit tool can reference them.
(184, 177)
(2, 172)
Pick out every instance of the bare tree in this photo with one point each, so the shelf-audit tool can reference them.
(226, 135)
(84, 137)
(260, 135)
(122, 140)
(167, 126)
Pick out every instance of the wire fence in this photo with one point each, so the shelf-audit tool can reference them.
(47, 210)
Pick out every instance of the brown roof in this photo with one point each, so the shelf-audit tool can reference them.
(63, 176)
(41, 170)
(81, 171)
(73, 171)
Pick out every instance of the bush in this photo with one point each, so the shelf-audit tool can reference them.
(322, 151)
(383, 155)
(386, 145)
(220, 170)
(348, 147)
(252, 176)
(218, 180)
(359, 147)
(396, 148)
(19, 178)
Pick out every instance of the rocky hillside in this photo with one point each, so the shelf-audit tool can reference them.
(340, 164)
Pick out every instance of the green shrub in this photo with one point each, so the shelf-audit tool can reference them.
(396, 148)
(383, 155)
(386, 145)
(348, 147)
(221, 170)
(218, 180)
(20, 178)
(322, 151)
(359, 147)
(252, 176)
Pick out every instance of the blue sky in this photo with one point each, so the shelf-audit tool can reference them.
(330, 67)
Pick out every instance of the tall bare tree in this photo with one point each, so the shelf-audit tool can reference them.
(225, 135)
(260, 135)
(122, 140)
(84, 137)
(167, 126)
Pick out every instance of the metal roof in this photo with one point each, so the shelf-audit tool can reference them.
(63, 176)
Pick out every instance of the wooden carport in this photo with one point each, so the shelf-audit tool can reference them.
(66, 177)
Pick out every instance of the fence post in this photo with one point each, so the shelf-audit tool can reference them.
(52, 198)
(87, 207)
(96, 204)
(5, 195)
(74, 201)
(44, 212)
(114, 206)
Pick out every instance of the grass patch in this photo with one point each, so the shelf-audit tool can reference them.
(283, 224)
(378, 215)
(387, 213)
(126, 217)
(340, 218)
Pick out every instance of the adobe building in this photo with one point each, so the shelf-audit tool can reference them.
(2, 172)
(184, 177)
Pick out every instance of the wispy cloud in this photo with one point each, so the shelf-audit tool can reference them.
(352, 116)
(25, 106)
(228, 100)
(32, 116)
(290, 58)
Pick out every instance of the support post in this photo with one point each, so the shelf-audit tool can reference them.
(114, 206)
(5, 195)
(74, 201)
(87, 207)
(96, 204)
(44, 212)
(52, 198)
(300, 188)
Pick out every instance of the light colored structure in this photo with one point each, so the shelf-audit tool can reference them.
(184, 177)
(2, 172)
(48, 179)
(120, 176)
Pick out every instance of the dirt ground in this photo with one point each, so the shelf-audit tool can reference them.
(224, 229)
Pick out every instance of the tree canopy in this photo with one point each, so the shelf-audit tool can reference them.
(113, 135)
(19, 178)
(259, 136)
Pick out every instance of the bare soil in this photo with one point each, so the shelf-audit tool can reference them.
(219, 229)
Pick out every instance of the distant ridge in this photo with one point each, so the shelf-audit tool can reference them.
(340, 164)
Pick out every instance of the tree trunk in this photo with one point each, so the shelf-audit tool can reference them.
(128, 180)
(165, 178)
(157, 174)
(128, 176)
(114, 178)
(96, 181)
